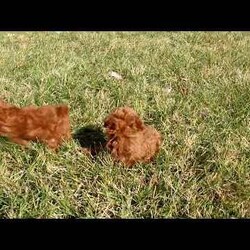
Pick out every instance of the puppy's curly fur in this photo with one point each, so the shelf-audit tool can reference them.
(49, 124)
(129, 139)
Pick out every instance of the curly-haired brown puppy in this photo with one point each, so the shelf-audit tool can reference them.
(129, 139)
(49, 124)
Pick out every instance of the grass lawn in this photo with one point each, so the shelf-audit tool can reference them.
(194, 87)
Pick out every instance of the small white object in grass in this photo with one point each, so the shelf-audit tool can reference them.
(167, 89)
(115, 75)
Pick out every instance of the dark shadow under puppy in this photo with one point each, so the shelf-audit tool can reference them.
(91, 139)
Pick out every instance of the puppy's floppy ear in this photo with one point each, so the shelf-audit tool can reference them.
(138, 123)
(62, 110)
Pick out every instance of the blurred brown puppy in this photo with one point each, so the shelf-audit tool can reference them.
(48, 124)
(129, 139)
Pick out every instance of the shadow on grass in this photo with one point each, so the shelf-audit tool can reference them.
(91, 139)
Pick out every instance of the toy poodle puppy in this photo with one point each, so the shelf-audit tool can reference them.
(48, 124)
(129, 139)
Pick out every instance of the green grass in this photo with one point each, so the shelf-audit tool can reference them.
(192, 86)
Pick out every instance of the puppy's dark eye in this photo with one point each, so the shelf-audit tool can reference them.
(112, 126)
(109, 125)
